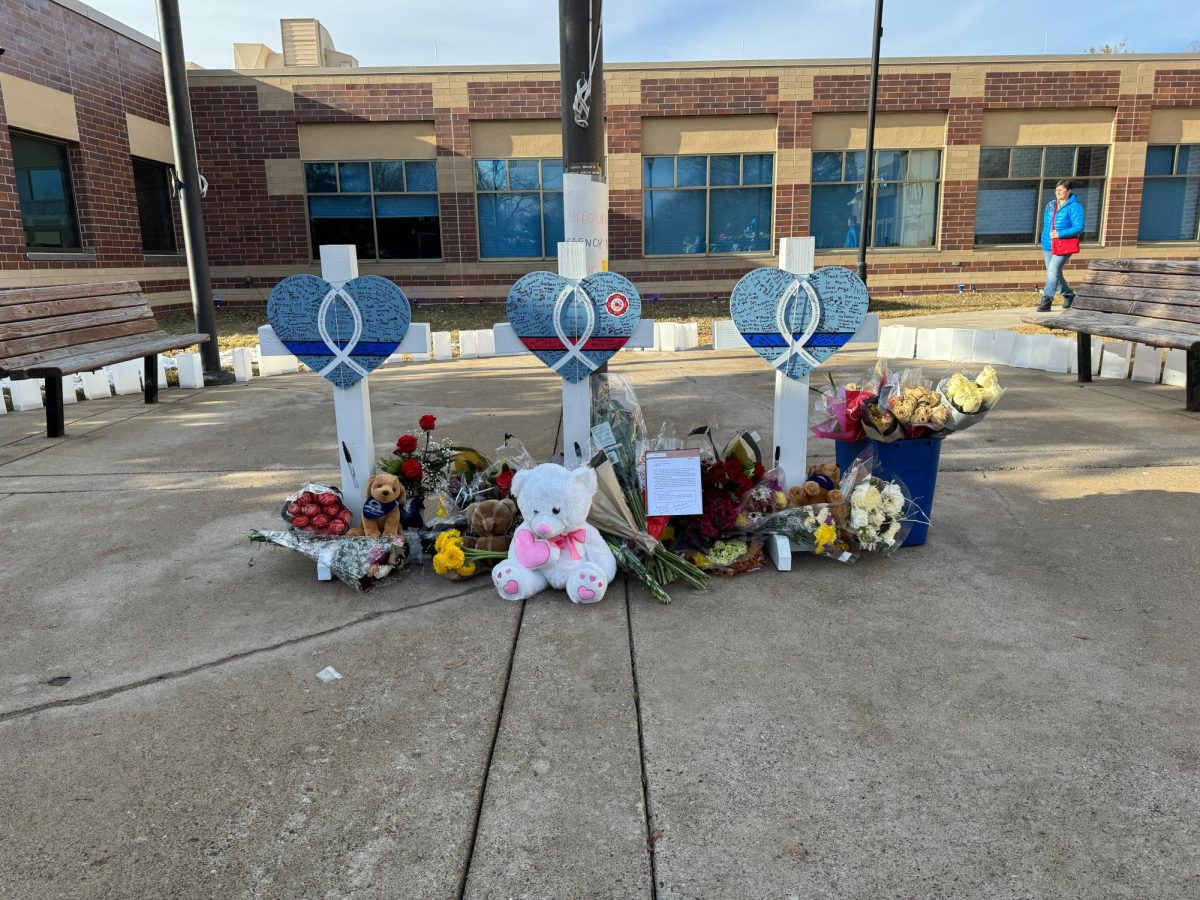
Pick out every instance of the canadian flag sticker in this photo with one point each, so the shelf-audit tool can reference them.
(617, 304)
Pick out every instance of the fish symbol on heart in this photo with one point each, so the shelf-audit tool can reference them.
(797, 322)
(342, 334)
(574, 327)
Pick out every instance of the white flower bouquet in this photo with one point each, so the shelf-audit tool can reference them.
(880, 512)
(969, 400)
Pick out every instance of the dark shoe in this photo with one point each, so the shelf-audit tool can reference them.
(1068, 301)
(1044, 306)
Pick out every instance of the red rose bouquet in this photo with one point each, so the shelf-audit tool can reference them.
(422, 464)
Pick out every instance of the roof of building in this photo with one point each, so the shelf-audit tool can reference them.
(1095, 60)
(109, 22)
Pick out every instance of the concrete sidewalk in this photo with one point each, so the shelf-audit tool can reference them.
(1009, 711)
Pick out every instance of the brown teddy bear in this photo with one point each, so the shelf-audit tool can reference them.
(490, 524)
(821, 487)
(381, 511)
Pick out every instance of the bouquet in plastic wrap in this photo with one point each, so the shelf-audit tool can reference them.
(820, 528)
(768, 497)
(618, 511)
(361, 562)
(879, 513)
(968, 400)
(915, 404)
(317, 509)
(845, 408)
(474, 478)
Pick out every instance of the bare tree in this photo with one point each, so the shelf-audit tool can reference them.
(1122, 46)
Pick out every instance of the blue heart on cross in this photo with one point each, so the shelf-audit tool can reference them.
(574, 327)
(796, 322)
(343, 333)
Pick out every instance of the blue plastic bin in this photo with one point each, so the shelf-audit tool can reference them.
(914, 462)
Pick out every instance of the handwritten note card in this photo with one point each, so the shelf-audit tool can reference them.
(673, 483)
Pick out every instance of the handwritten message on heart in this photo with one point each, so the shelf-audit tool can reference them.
(574, 327)
(344, 333)
(796, 322)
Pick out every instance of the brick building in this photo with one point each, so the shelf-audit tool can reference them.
(449, 179)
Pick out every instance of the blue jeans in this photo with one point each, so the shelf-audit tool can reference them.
(1055, 282)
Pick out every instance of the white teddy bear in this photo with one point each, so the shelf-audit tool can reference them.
(554, 546)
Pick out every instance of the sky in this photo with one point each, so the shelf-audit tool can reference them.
(469, 32)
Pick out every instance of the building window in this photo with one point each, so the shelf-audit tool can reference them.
(44, 189)
(520, 205)
(1016, 183)
(905, 198)
(1171, 194)
(388, 210)
(707, 204)
(152, 182)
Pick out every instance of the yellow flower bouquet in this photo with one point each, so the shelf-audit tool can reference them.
(454, 561)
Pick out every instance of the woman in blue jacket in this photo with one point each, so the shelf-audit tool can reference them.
(1063, 218)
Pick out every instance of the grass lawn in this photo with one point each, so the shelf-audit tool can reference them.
(239, 327)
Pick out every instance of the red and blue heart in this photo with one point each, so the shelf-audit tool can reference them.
(341, 334)
(796, 322)
(574, 327)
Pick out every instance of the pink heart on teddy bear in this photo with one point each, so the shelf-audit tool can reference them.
(531, 552)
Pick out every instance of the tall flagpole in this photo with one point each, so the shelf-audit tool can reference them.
(187, 178)
(864, 238)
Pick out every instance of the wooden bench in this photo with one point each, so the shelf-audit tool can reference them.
(1154, 302)
(49, 332)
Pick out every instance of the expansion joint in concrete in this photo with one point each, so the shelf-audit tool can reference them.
(85, 699)
(487, 769)
(652, 834)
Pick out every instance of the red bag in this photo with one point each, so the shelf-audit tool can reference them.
(1061, 246)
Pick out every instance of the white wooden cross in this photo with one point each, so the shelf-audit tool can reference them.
(790, 429)
(352, 405)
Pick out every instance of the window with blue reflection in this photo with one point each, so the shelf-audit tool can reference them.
(1171, 194)
(756, 169)
(658, 172)
(387, 208)
(707, 204)
(320, 178)
(354, 177)
(552, 175)
(387, 176)
(692, 171)
(1015, 183)
(520, 208)
(674, 222)
(47, 202)
(420, 177)
(905, 198)
(510, 225)
(725, 170)
(491, 175)
(826, 167)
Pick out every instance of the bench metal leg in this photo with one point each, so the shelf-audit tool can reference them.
(1193, 381)
(150, 378)
(55, 421)
(1083, 344)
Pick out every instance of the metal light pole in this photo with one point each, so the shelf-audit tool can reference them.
(864, 237)
(187, 178)
(581, 74)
